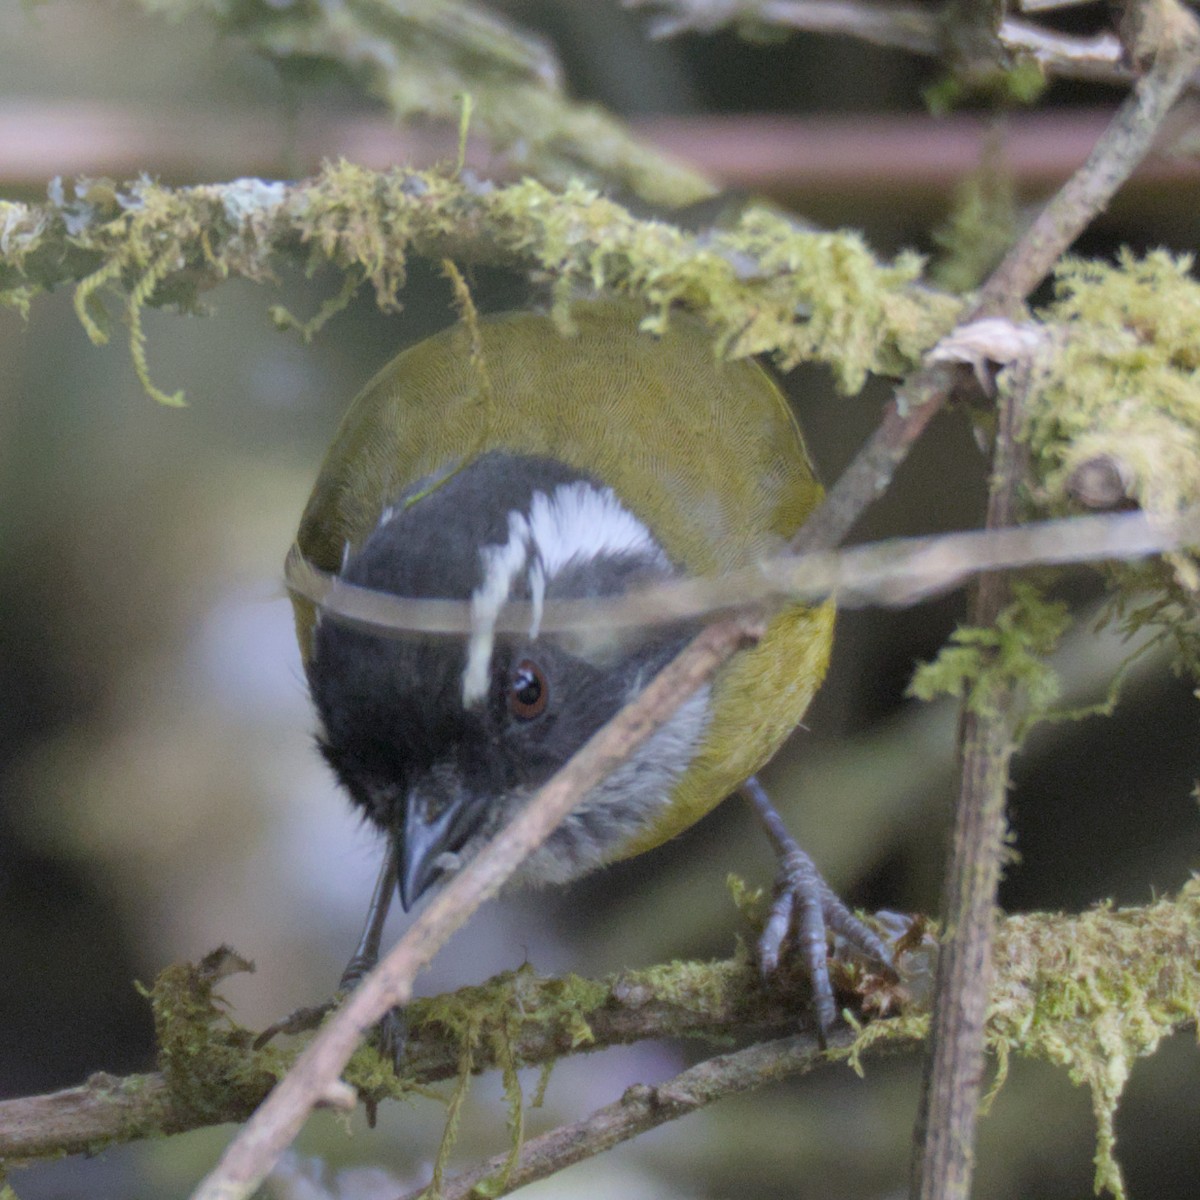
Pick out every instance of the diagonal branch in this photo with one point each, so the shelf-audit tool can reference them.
(276, 1122)
(1118, 151)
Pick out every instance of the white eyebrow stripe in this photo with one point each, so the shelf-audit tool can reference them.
(581, 521)
(501, 566)
(537, 596)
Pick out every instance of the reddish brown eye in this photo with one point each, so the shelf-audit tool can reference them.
(528, 691)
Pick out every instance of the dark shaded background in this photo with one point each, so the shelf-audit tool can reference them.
(159, 793)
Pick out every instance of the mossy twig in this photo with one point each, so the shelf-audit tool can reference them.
(945, 1133)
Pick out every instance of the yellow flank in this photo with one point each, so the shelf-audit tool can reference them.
(706, 453)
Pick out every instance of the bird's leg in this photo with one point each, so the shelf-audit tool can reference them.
(366, 953)
(804, 902)
(392, 1030)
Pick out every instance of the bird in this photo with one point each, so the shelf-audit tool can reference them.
(520, 459)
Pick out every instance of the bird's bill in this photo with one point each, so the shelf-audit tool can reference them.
(426, 839)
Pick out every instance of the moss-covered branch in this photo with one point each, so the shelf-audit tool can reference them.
(1116, 382)
(1098, 998)
(765, 286)
(1091, 993)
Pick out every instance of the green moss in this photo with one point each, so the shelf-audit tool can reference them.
(492, 1013)
(751, 902)
(1020, 82)
(765, 286)
(895, 1031)
(983, 665)
(1096, 992)
(1119, 384)
(208, 1060)
(1124, 380)
(980, 228)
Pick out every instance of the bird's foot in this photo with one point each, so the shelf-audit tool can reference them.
(390, 1035)
(804, 911)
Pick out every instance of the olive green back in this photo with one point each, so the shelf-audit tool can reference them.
(706, 453)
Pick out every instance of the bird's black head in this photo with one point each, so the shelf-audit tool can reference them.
(440, 738)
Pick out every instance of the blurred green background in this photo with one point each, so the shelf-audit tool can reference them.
(159, 790)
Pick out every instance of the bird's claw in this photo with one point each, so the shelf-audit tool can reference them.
(391, 1036)
(806, 910)
(303, 1020)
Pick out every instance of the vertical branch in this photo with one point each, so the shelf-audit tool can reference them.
(945, 1132)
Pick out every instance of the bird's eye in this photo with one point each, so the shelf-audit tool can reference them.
(528, 691)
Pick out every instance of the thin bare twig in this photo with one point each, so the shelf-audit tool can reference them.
(1119, 150)
(870, 474)
(1049, 5)
(641, 1108)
